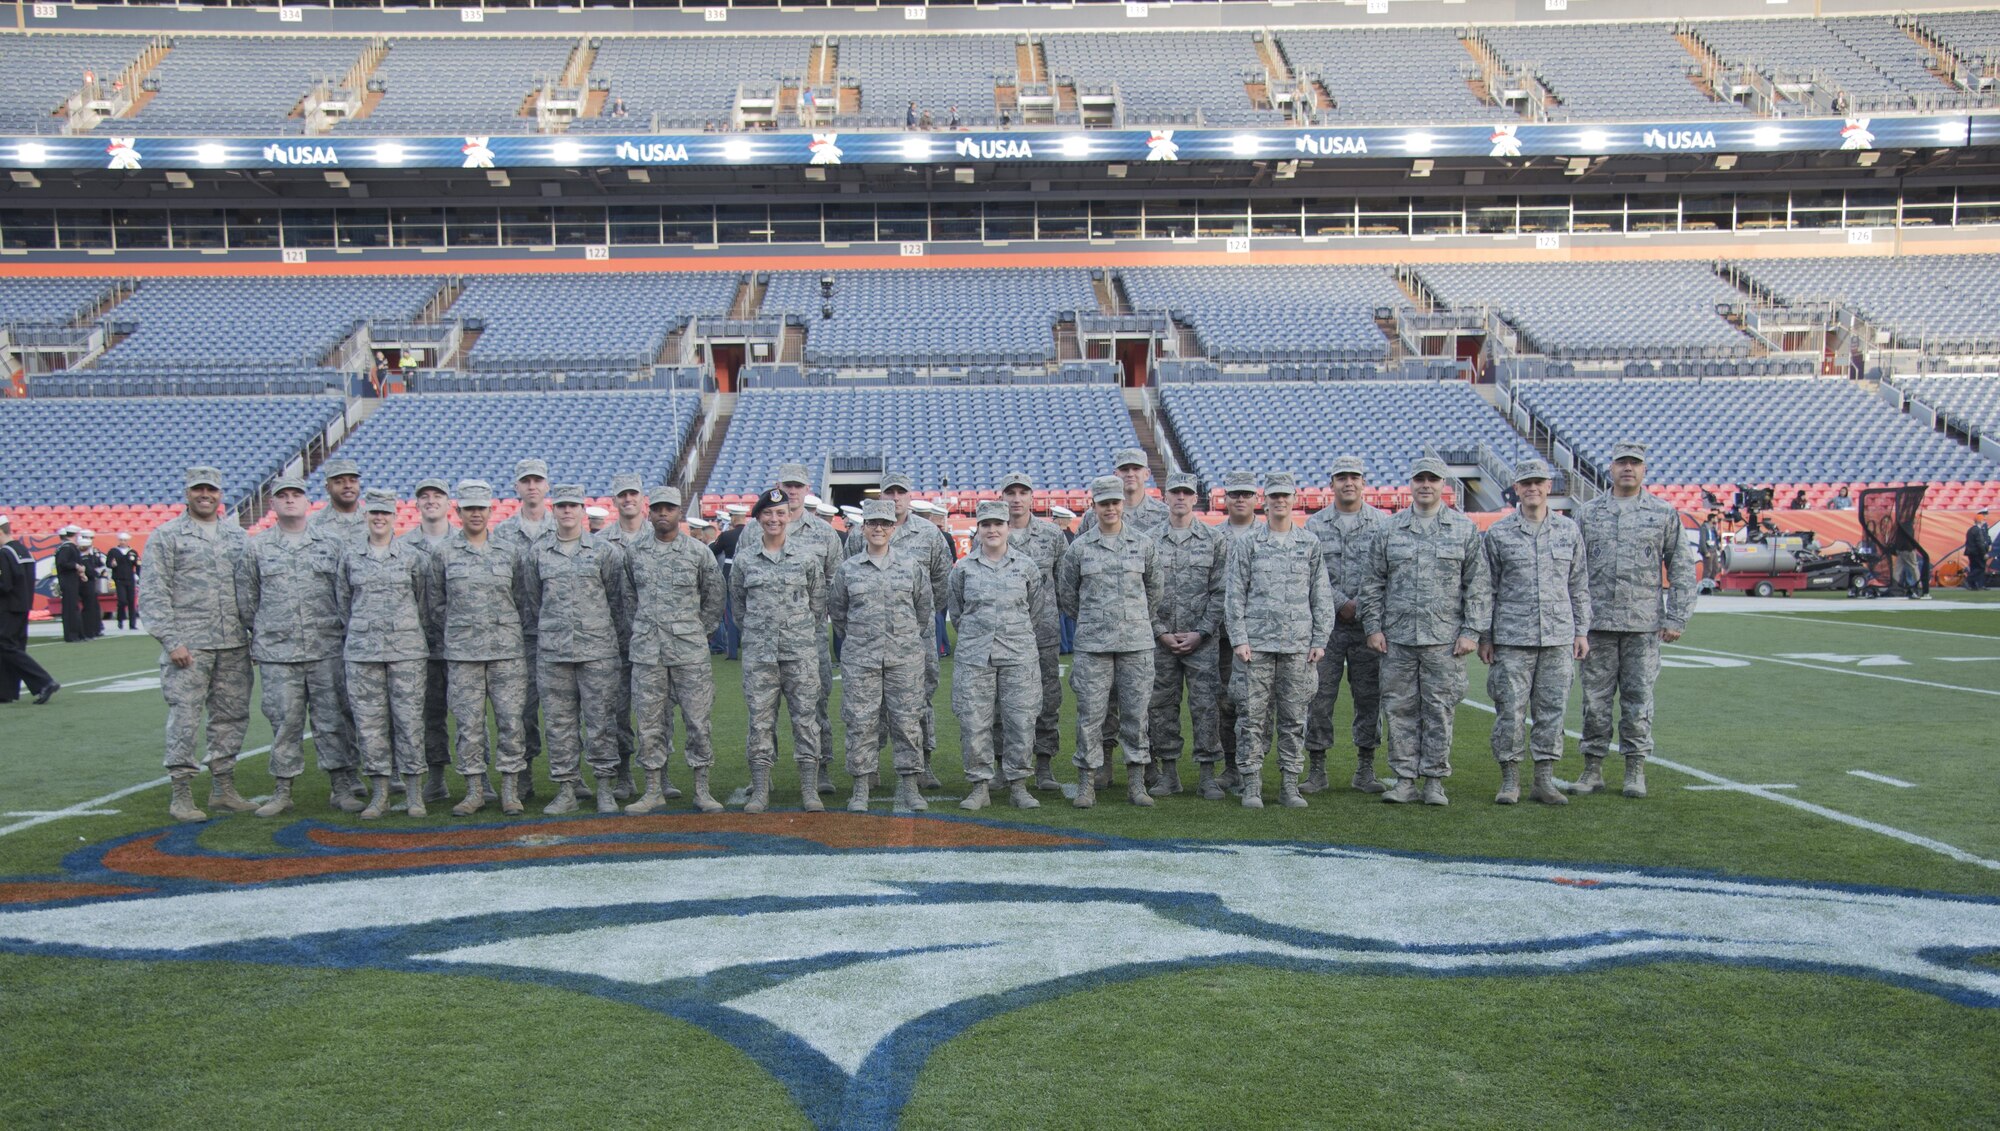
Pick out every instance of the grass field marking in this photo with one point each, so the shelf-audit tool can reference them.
(1966, 659)
(1840, 671)
(108, 678)
(61, 813)
(84, 808)
(1736, 788)
(1899, 783)
(1800, 618)
(1937, 846)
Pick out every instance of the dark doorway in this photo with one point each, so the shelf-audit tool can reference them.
(728, 362)
(1132, 357)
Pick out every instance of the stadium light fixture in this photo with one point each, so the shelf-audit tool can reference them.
(1725, 162)
(498, 178)
(1422, 167)
(566, 152)
(211, 154)
(736, 149)
(962, 174)
(1074, 147)
(815, 172)
(179, 179)
(389, 153)
(336, 179)
(1867, 158)
(31, 153)
(1285, 171)
(1245, 145)
(1955, 131)
(1578, 166)
(1418, 142)
(25, 179)
(639, 176)
(1594, 142)
(1116, 171)
(916, 149)
(1767, 137)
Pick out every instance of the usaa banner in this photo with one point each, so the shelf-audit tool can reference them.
(108, 150)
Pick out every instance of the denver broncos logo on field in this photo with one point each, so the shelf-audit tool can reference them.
(840, 951)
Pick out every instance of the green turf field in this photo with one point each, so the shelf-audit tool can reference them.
(1764, 717)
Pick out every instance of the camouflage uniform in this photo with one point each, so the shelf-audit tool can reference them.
(1344, 540)
(288, 587)
(1111, 586)
(922, 541)
(780, 603)
(437, 739)
(383, 596)
(996, 675)
(350, 529)
(621, 721)
(1193, 565)
(579, 598)
(825, 540)
(188, 590)
(1228, 674)
(1628, 542)
(1146, 518)
(1427, 586)
(1280, 603)
(882, 608)
(1043, 543)
(1541, 604)
(677, 592)
(521, 537)
(478, 591)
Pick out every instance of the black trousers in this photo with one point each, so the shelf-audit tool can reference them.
(128, 603)
(16, 666)
(72, 608)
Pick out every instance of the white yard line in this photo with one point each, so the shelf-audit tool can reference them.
(1937, 846)
(84, 808)
(1899, 783)
(1837, 671)
(1884, 627)
(1734, 788)
(109, 678)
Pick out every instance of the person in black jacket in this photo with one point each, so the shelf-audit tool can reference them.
(92, 560)
(69, 582)
(125, 576)
(17, 596)
(1978, 548)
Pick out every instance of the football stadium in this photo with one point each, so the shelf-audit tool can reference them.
(810, 563)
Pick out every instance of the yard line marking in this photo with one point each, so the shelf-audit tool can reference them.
(1899, 783)
(83, 808)
(1736, 788)
(62, 813)
(1967, 659)
(1839, 671)
(1937, 846)
(1801, 619)
(109, 678)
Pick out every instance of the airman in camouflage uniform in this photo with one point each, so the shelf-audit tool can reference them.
(286, 583)
(580, 600)
(530, 526)
(1143, 514)
(992, 595)
(792, 479)
(381, 592)
(1541, 618)
(1240, 499)
(628, 493)
(1345, 531)
(778, 589)
(1043, 542)
(1109, 581)
(1422, 605)
(1194, 559)
(434, 507)
(188, 590)
(923, 541)
(1280, 610)
(342, 515)
(479, 585)
(1630, 537)
(880, 604)
(677, 592)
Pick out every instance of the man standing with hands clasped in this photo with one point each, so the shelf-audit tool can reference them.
(1426, 595)
(1540, 627)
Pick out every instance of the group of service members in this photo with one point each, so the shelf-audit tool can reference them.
(596, 638)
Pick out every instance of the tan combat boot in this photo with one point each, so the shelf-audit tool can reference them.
(667, 789)
(857, 802)
(413, 792)
(978, 798)
(378, 797)
(1017, 793)
(1544, 788)
(1635, 775)
(1434, 792)
(1209, 787)
(1364, 774)
(759, 797)
(909, 798)
(926, 779)
(475, 796)
(181, 808)
(1289, 790)
(826, 775)
(621, 786)
(281, 798)
(607, 794)
(1045, 773)
(702, 800)
(1252, 791)
(341, 783)
(222, 795)
(1135, 782)
(809, 788)
(1169, 782)
(565, 800)
(1315, 772)
(1232, 777)
(1086, 788)
(1592, 779)
(435, 788)
(1404, 792)
(1510, 784)
(652, 799)
(510, 794)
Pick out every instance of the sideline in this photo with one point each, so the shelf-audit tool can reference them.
(1837, 671)
(1798, 619)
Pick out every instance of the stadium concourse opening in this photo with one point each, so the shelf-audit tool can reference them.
(1566, 334)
